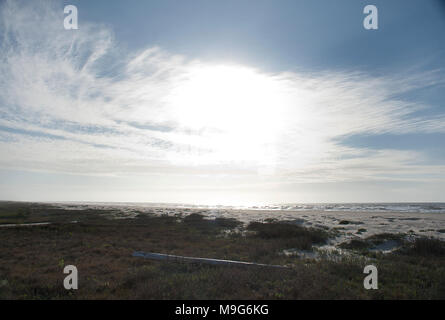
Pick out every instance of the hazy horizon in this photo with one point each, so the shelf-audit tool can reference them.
(251, 205)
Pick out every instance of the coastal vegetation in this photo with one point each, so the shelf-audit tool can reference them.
(101, 247)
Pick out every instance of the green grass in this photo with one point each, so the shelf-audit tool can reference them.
(291, 235)
(356, 244)
(426, 247)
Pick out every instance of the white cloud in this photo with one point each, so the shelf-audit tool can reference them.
(154, 112)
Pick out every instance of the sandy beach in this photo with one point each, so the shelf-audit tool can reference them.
(350, 224)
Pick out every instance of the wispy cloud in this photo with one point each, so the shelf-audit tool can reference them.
(73, 101)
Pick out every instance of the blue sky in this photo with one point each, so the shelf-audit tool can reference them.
(222, 101)
(281, 36)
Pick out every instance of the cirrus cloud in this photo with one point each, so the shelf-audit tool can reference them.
(74, 102)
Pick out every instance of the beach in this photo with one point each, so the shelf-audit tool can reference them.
(217, 253)
(350, 220)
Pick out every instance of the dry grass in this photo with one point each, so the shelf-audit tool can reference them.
(32, 260)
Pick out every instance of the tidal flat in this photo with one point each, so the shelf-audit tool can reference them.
(323, 260)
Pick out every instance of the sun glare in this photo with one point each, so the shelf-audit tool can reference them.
(237, 110)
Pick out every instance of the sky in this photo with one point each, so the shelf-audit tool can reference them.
(222, 102)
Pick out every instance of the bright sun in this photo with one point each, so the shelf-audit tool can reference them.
(238, 111)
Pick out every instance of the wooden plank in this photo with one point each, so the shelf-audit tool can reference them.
(171, 257)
